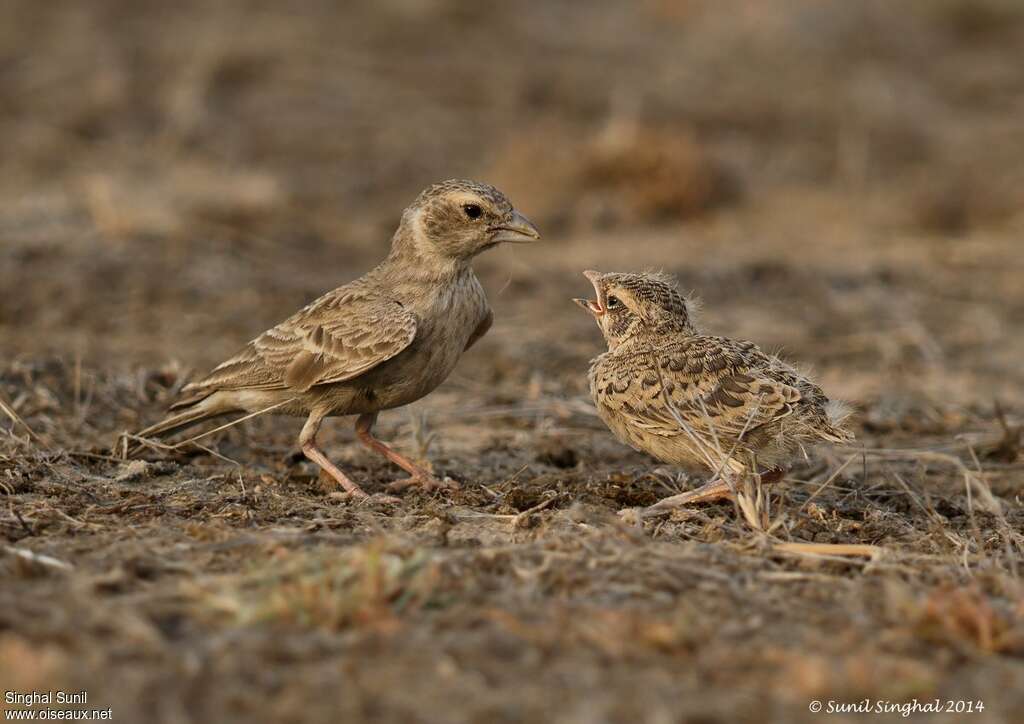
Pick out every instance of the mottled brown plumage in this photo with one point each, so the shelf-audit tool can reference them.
(379, 342)
(688, 398)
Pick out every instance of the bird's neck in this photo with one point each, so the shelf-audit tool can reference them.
(416, 269)
(642, 339)
(630, 344)
(674, 328)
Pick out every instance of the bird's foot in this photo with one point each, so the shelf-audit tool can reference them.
(330, 474)
(331, 479)
(708, 493)
(425, 480)
(717, 490)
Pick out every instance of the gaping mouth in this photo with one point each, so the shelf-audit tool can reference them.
(594, 306)
(591, 306)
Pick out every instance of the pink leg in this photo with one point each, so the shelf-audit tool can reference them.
(307, 441)
(417, 475)
(717, 490)
(704, 494)
(311, 451)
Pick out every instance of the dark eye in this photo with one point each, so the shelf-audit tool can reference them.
(613, 302)
(472, 211)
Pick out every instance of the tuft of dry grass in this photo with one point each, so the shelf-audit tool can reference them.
(369, 585)
(969, 620)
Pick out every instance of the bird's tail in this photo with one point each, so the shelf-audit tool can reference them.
(837, 413)
(202, 410)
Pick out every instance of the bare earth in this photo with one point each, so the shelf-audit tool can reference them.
(841, 181)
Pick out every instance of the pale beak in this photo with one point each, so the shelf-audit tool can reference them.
(588, 305)
(594, 307)
(516, 230)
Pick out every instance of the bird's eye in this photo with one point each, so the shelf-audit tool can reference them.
(613, 302)
(472, 211)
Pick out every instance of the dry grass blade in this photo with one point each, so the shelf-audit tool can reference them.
(38, 558)
(227, 425)
(178, 445)
(843, 550)
(753, 505)
(973, 483)
(16, 418)
(831, 478)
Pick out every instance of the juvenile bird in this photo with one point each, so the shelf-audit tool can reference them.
(684, 397)
(379, 342)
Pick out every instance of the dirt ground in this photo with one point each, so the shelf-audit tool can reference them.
(840, 181)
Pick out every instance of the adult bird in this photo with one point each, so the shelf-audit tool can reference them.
(377, 343)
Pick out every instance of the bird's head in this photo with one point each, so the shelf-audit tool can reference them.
(629, 305)
(458, 219)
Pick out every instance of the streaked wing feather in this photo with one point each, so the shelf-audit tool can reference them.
(341, 348)
(716, 387)
(336, 338)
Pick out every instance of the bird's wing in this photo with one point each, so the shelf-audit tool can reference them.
(710, 387)
(336, 338)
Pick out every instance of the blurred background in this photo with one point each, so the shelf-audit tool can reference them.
(842, 181)
(176, 177)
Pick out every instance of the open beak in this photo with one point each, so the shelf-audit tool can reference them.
(595, 307)
(589, 305)
(516, 230)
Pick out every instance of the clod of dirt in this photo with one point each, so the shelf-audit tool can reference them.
(1007, 448)
(558, 454)
(133, 472)
(136, 471)
(520, 499)
(435, 531)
